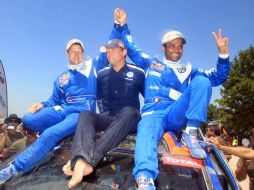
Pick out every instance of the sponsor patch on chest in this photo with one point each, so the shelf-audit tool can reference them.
(130, 74)
(64, 79)
(181, 69)
(154, 73)
(157, 66)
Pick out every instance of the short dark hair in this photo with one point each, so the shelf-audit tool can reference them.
(215, 129)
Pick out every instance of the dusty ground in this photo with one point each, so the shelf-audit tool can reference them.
(244, 184)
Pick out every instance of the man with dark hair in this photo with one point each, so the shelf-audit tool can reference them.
(11, 133)
(13, 127)
(176, 96)
(118, 88)
(215, 131)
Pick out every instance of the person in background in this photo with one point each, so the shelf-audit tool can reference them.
(245, 167)
(251, 137)
(215, 131)
(176, 96)
(14, 127)
(242, 152)
(235, 141)
(224, 133)
(20, 144)
(11, 131)
(4, 139)
(118, 88)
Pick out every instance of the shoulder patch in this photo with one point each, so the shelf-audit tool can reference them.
(64, 79)
(129, 38)
(157, 66)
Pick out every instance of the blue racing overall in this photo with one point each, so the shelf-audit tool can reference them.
(174, 93)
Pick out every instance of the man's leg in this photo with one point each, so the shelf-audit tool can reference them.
(83, 146)
(189, 110)
(46, 142)
(149, 133)
(124, 123)
(42, 119)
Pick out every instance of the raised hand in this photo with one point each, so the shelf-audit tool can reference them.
(222, 42)
(120, 16)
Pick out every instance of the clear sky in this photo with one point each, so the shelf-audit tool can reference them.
(34, 33)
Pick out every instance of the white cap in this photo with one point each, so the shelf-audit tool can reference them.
(74, 41)
(172, 35)
(245, 142)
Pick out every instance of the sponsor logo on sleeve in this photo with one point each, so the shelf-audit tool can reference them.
(129, 38)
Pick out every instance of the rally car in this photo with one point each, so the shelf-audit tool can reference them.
(178, 170)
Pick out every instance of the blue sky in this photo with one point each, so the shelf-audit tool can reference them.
(34, 33)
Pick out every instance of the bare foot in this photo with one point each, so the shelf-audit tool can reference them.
(81, 169)
(67, 169)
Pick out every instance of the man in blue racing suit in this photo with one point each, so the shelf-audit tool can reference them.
(74, 91)
(176, 96)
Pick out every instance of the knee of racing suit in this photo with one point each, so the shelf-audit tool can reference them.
(201, 83)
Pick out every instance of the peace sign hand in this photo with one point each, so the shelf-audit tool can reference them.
(222, 42)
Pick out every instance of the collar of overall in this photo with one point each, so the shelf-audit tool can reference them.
(172, 64)
(76, 67)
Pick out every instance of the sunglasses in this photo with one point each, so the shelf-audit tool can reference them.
(13, 121)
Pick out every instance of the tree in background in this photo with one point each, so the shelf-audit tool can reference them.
(236, 107)
(213, 113)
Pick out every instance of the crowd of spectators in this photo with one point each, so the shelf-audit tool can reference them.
(237, 145)
(13, 136)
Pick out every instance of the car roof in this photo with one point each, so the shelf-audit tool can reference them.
(177, 169)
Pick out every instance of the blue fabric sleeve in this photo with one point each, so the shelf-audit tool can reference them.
(134, 52)
(101, 61)
(216, 75)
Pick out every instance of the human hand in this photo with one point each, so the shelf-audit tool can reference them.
(35, 108)
(120, 16)
(4, 154)
(215, 142)
(222, 42)
(20, 128)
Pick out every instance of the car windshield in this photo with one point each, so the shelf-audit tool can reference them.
(179, 177)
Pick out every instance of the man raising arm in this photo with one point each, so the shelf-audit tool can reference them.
(176, 96)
